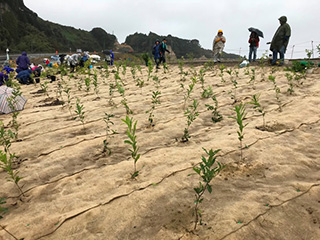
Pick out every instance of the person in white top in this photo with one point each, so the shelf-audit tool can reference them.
(218, 46)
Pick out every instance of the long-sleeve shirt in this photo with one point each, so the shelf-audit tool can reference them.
(217, 43)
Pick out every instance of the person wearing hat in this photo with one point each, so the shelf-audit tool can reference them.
(280, 40)
(218, 45)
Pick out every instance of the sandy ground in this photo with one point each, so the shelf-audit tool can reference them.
(75, 191)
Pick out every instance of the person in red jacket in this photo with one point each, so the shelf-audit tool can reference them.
(254, 44)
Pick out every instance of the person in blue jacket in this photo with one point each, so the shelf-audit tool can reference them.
(3, 78)
(112, 57)
(24, 77)
(4, 75)
(23, 62)
(156, 52)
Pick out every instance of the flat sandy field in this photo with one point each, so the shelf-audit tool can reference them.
(75, 190)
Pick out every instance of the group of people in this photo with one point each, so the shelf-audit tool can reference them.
(25, 69)
(159, 52)
(278, 45)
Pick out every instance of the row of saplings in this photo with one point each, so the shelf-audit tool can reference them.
(207, 169)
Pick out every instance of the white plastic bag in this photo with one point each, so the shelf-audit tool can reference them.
(244, 63)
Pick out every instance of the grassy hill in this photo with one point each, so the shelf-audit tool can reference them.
(22, 30)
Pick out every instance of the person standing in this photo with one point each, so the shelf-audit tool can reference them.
(163, 49)
(254, 44)
(111, 57)
(156, 52)
(23, 62)
(218, 46)
(280, 40)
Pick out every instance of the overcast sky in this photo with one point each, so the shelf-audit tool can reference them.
(191, 19)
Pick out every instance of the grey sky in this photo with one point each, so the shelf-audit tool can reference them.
(191, 19)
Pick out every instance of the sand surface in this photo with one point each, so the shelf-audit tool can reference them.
(75, 191)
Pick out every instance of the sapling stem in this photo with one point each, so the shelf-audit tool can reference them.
(154, 102)
(257, 106)
(277, 90)
(131, 133)
(240, 117)
(207, 172)
(191, 113)
(217, 117)
(107, 120)
(79, 111)
(6, 165)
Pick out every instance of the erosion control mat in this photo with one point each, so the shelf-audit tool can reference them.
(75, 190)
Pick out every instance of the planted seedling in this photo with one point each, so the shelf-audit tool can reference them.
(5, 138)
(206, 171)
(221, 68)
(87, 82)
(181, 64)
(234, 92)
(107, 73)
(44, 87)
(112, 87)
(207, 92)
(257, 106)
(59, 90)
(133, 70)
(107, 120)
(154, 102)
(131, 133)
(189, 91)
(139, 69)
(277, 90)
(125, 104)
(124, 68)
(216, 116)
(201, 77)
(68, 92)
(2, 209)
(290, 82)
(253, 76)
(191, 113)
(6, 165)
(79, 112)
(95, 82)
(240, 117)
(139, 83)
(246, 70)
(157, 81)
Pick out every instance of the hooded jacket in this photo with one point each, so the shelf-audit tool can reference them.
(282, 35)
(23, 61)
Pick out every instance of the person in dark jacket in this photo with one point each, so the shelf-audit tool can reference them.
(156, 52)
(24, 77)
(254, 44)
(3, 78)
(23, 62)
(112, 57)
(163, 49)
(280, 40)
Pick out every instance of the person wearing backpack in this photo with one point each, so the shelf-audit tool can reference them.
(156, 52)
(163, 50)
